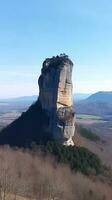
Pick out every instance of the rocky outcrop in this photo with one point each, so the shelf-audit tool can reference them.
(52, 115)
(55, 97)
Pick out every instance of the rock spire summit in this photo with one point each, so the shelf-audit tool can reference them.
(55, 97)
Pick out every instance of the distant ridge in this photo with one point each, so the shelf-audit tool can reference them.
(81, 96)
(19, 104)
(101, 97)
(32, 98)
(19, 99)
(22, 103)
(99, 103)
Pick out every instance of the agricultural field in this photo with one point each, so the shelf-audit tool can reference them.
(103, 129)
(7, 118)
(97, 123)
(82, 116)
(88, 119)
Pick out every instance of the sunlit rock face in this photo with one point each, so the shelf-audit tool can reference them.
(55, 96)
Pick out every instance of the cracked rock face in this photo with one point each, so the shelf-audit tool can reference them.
(55, 96)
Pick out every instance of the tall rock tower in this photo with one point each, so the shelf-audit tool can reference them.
(55, 97)
(52, 115)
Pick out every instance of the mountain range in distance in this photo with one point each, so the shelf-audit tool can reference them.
(99, 103)
(19, 99)
(19, 104)
(81, 96)
(77, 97)
(99, 96)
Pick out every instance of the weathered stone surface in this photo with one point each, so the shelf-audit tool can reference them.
(55, 85)
(51, 116)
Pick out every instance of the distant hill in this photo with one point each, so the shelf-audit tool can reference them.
(20, 99)
(101, 97)
(77, 97)
(80, 96)
(21, 104)
(97, 104)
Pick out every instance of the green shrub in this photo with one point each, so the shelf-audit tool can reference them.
(78, 158)
(88, 134)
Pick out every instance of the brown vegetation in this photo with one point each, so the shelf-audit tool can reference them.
(36, 178)
(103, 147)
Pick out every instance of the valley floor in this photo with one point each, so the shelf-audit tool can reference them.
(104, 130)
(96, 124)
(7, 118)
(24, 178)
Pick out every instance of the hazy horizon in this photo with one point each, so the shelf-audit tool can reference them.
(11, 97)
(32, 31)
(33, 95)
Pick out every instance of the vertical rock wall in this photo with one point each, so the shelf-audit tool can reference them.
(55, 96)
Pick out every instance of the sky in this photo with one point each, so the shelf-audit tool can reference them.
(32, 30)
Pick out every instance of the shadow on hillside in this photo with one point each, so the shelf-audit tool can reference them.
(29, 127)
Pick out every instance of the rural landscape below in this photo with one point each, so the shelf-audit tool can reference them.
(88, 117)
(56, 100)
(73, 132)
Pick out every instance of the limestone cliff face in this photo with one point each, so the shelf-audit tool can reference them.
(55, 86)
(51, 116)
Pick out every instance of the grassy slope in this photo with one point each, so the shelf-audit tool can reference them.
(87, 133)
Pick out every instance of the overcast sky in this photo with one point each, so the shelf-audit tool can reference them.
(31, 30)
